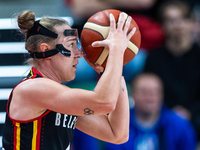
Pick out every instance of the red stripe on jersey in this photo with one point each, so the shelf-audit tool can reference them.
(17, 130)
(38, 134)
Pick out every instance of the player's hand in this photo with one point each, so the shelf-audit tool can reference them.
(96, 67)
(118, 36)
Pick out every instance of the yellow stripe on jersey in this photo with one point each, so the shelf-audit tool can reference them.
(18, 136)
(31, 73)
(35, 124)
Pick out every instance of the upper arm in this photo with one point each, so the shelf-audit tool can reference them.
(51, 95)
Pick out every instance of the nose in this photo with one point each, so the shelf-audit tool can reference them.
(78, 56)
(78, 53)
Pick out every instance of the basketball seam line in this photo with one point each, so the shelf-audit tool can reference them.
(106, 16)
(94, 31)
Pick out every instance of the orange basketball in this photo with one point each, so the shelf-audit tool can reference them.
(97, 28)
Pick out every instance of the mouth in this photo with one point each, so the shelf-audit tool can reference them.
(75, 66)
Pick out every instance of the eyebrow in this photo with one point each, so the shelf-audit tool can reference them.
(71, 39)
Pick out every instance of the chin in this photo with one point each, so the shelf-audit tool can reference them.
(71, 78)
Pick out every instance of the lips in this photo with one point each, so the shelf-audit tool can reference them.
(75, 65)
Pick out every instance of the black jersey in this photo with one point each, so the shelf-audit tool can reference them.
(50, 131)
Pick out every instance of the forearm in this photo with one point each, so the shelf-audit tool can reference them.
(108, 86)
(119, 118)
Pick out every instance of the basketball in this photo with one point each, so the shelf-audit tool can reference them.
(97, 28)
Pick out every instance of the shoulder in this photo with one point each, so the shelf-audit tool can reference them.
(179, 129)
(169, 114)
(171, 119)
(37, 87)
(37, 83)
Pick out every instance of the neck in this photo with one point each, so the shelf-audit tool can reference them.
(179, 46)
(146, 118)
(47, 73)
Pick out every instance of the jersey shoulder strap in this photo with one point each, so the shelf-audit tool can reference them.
(34, 74)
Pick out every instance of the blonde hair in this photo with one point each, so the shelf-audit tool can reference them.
(26, 22)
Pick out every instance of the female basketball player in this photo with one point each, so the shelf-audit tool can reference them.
(42, 113)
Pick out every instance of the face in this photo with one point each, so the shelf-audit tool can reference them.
(175, 24)
(65, 62)
(147, 94)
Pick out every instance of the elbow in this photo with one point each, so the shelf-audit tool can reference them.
(110, 106)
(122, 139)
(105, 104)
(125, 139)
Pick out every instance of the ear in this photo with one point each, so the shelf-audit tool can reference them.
(44, 47)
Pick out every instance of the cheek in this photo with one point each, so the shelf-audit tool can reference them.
(139, 100)
(63, 63)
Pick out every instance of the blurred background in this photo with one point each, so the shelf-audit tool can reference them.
(156, 30)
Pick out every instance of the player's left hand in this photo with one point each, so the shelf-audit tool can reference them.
(96, 67)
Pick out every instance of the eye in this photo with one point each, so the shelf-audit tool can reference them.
(71, 45)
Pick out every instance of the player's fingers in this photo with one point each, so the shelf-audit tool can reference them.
(121, 21)
(127, 25)
(131, 33)
(98, 44)
(112, 22)
(99, 68)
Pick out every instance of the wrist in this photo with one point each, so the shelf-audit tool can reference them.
(116, 51)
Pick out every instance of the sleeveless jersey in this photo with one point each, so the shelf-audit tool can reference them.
(50, 131)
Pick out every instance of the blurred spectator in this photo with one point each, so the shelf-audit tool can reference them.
(178, 61)
(196, 31)
(152, 125)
